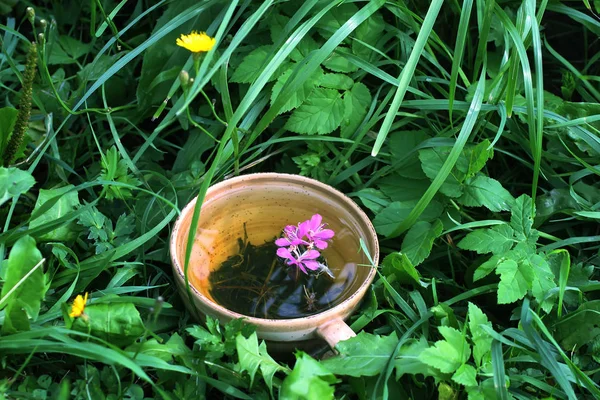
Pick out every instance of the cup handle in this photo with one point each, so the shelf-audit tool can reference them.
(335, 331)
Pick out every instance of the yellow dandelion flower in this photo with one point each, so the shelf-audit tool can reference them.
(196, 42)
(78, 305)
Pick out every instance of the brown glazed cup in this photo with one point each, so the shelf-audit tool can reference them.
(266, 202)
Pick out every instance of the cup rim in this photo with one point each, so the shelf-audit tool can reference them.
(344, 308)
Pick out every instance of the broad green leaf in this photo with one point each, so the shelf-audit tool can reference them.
(8, 117)
(399, 188)
(252, 357)
(478, 156)
(449, 354)
(399, 265)
(22, 297)
(487, 192)
(309, 380)
(67, 203)
(497, 240)
(73, 47)
(431, 163)
(368, 32)
(13, 182)
(482, 342)
(522, 214)
(335, 18)
(465, 375)
(356, 103)
(373, 199)
(543, 281)
(306, 45)
(336, 81)
(338, 62)
(515, 280)
(363, 355)
(419, 239)
(321, 113)
(407, 360)
(391, 217)
(301, 94)
(116, 323)
(174, 347)
(252, 65)
(587, 320)
(276, 23)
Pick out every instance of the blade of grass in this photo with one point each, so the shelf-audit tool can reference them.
(459, 48)
(498, 371)
(407, 73)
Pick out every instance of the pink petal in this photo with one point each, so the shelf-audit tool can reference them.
(283, 242)
(325, 234)
(321, 244)
(285, 253)
(302, 268)
(303, 229)
(315, 222)
(310, 255)
(311, 264)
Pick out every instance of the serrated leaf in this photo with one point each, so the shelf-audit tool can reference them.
(25, 301)
(478, 157)
(431, 163)
(447, 355)
(306, 45)
(299, 95)
(13, 182)
(465, 375)
(543, 281)
(252, 357)
(587, 320)
(68, 201)
(336, 81)
(419, 239)
(487, 192)
(321, 113)
(498, 239)
(251, 66)
(309, 380)
(356, 104)
(368, 32)
(363, 355)
(407, 360)
(396, 212)
(338, 62)
(276, 24)
(482, 342)
(515, 280)
(522, 214)
(335, 18)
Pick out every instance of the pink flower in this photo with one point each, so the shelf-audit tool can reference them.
(314, 232)
(290, 237)
(306, 259)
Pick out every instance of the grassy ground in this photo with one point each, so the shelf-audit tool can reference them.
(468, 130)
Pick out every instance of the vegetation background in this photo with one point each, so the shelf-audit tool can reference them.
(468, 130)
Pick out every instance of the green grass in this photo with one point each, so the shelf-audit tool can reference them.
(468, 131)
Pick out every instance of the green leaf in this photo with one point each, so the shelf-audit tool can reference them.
(431, 163)
(276, 23)
(356, 104)
(321, 113)
(515, 280)
(543, 281)
(116, 323)
(399, 188)
(336, 81)
(338, 62)
(8, 117)
(73, 47)
(306, 45)
(419, 239)
(587, 320)
(13, 182)
(478, 156)
(487, 267)
(252, 65)
(368, 32)
(498, 239)
(522, 215)
(399, 265)
(373, 199)
(363, 355)
(449, 354)
(465, 375)
(252, 357)
(67, 203)
(407, 360)
(335, 18)
(310, 380)
(391, 217)
(23, 302)
(301, 94)
(482, 342)
(487, 192)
